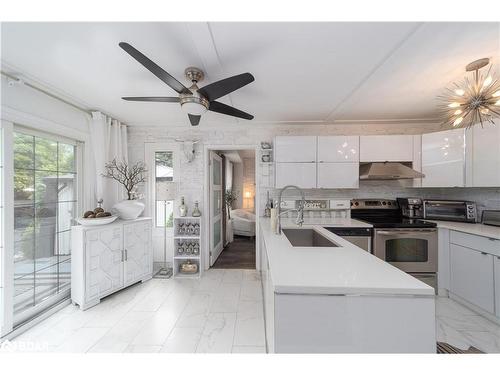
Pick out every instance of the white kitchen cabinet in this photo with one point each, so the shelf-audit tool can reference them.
(338, 149)
(338, 175)
(471, 276)
(302, 175)
(386, 148)
(295, 149)
(485, 156)
(443, 159)
(108, 258)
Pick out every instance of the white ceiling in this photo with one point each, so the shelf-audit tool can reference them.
(304, 72)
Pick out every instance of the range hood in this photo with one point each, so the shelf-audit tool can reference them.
(387, 171)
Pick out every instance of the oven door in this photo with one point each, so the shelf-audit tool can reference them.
(411, 250)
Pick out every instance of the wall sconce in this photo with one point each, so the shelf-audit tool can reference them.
(248, 194)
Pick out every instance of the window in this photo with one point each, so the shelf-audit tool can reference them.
(45, 196)
(164, 174)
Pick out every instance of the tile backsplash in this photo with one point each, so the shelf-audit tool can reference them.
(485, 198)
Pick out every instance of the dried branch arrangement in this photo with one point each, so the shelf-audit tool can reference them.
(127, 176)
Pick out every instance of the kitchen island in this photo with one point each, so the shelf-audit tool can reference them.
(340, 298)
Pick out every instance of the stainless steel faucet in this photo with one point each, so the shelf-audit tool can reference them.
(300, 210)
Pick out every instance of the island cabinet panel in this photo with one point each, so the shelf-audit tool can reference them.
(268, 297)
(338, 175)
(311, 323)
(472, 276)
(386, 148)
(302, 175)
(338, 149)
(295, 149)
(107, 258)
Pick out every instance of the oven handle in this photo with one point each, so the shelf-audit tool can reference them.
(386, 233)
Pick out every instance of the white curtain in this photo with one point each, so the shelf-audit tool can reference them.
(108, 138)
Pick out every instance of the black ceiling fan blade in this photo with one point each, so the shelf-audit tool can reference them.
(155, 69)
(226, 86)
(194, 119)
(228, 110)
(163, 99)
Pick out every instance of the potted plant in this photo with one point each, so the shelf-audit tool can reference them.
(129, 177)
(229, 197)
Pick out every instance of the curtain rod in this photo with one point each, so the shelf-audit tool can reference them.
(48, 93)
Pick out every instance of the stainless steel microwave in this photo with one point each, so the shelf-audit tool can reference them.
(450, 210)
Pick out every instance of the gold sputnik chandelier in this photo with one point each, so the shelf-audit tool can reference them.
(475, 100)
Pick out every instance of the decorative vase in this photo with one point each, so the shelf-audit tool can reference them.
(129, 209)
(196, 210)
(183, 209)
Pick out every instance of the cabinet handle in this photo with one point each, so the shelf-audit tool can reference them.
(482, 252)
(126, 254)
(492, 239)
(123, 255)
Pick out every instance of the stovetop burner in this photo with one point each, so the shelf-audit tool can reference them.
(384, 213)
(395, 222)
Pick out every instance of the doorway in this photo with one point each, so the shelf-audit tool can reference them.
(232, 193)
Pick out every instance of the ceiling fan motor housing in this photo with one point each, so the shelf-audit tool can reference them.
(194, 103)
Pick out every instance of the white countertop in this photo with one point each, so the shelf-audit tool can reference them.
(346, 269)
(477, 229)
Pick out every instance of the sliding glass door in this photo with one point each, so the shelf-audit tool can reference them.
(45, 196)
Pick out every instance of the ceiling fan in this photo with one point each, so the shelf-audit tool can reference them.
(193, 100)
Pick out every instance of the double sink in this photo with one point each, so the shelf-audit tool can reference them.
(307, 237)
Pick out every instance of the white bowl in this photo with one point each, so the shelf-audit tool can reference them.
(97, 220)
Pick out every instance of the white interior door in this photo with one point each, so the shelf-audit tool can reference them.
(215, 207)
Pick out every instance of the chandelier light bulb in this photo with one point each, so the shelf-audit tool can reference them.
(458, 121)
(460, 92)
(498, 102)
(496, 94)
(457, 112)
(454, 105)
(487, 81)
(484, 111)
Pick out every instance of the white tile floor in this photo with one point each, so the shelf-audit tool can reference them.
(219, 313)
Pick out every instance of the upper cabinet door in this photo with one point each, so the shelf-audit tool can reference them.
(302, 175)
(443, 159)
(485, 156)
(295, 149)
(386, 148)
(338, 175)
(338, 149)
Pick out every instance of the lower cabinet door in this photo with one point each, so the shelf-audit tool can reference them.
(338, 175)
(302, 175)
(471, 276)
(497, 286)
(137, 246)
(104, 262)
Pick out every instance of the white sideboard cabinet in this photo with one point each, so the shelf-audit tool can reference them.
(108, 258)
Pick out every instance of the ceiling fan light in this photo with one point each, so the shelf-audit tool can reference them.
(193, 108)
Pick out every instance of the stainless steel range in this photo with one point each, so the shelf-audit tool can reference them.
(409, 244)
